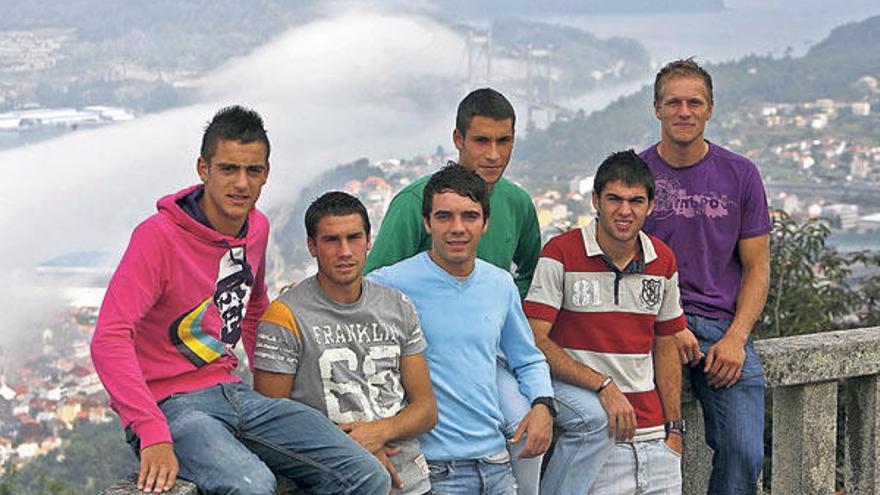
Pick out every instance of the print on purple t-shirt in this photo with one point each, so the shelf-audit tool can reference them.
(702, 211)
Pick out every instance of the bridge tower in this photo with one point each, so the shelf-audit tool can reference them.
(479, 58)
(539, 83)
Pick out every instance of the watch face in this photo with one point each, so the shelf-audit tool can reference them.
(677, 426)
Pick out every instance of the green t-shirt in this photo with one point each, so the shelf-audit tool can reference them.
(513, 236)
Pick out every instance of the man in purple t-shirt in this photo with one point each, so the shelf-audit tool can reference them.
(712, 210)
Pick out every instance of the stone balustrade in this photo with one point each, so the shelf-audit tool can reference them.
(803, 373)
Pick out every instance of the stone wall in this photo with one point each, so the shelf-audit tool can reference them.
(802, 375)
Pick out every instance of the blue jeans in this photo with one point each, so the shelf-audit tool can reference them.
(471, 477)
(640, 468)
(514, 407)
(230, 439)
(734, 417)
(582, 442)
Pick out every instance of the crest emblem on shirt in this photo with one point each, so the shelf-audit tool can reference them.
(585, 293)
(650, 295)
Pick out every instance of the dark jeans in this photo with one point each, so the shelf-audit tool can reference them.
(734, 417)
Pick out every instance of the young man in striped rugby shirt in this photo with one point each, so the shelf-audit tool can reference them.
(604, 307)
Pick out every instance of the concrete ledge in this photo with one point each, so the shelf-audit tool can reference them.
(820, 357)
(128, 486)
(813, 358)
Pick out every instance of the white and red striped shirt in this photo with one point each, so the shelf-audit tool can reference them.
(607, 318)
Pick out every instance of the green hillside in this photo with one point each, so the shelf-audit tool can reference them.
(831, 69)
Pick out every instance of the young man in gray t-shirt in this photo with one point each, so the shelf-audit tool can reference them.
(351, 348)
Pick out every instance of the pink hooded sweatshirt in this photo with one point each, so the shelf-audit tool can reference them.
(180, 299)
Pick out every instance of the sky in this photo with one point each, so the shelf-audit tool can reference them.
(358, 82)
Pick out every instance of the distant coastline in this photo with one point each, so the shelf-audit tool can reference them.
(528, 7)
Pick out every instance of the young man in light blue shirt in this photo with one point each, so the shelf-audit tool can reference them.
(469, 309)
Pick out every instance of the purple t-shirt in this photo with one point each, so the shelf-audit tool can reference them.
(701, 212)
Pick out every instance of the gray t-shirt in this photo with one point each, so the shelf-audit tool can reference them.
(346, 358)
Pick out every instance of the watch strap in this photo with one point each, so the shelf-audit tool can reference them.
(676, 427)
(550, 402)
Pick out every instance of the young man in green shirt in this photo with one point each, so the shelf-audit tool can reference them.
(483, 135)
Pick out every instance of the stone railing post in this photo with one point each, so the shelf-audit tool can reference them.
(696, 463)
(862, 427)
(804, 438)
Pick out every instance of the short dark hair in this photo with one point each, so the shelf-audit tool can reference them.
(682, 68)
(336, 204)
(234, 123)
(485, 102)
(461, 181)
(627, 167)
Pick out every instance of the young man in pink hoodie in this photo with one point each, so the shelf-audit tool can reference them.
(189, 286)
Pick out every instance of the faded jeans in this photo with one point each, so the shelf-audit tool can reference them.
(230, 439)
(582, 442)
(640, 468)
(734, 417)
(514, 407)
(471, 477)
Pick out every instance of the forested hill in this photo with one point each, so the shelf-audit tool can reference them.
(830, 69)
(200, 34)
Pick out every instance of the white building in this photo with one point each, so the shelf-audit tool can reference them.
(62, 117)
(870, 223)
(847, 214)
(27, 450)
(6, 393)
(861, 108)
(582, 185)
(819, 121)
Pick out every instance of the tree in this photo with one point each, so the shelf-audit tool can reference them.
(92, 457)
(8, 481)
(870, 294)
(812, 288)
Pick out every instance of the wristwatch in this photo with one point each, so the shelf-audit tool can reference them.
(550, 402)
(676, 427)
(607, 381)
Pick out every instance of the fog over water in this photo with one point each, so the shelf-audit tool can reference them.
(351, 85)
